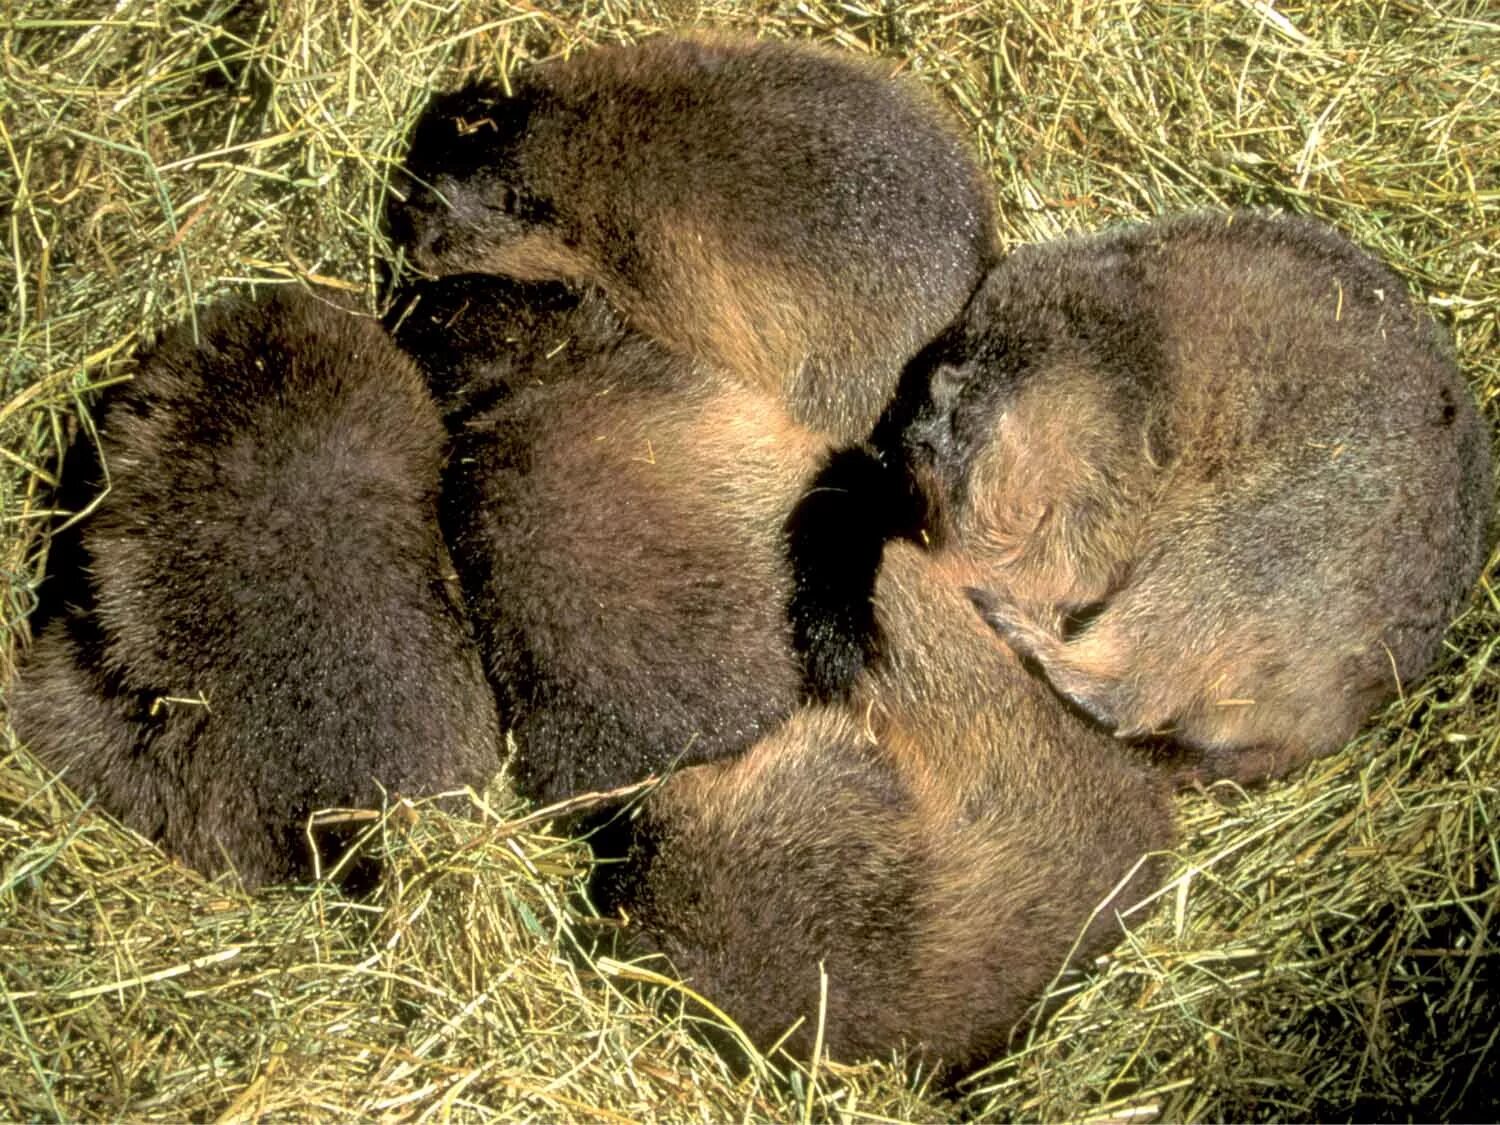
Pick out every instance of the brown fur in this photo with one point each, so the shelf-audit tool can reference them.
(793, 216)
(1234, 447)
(269, 549)
(615, 513)
(941, 845)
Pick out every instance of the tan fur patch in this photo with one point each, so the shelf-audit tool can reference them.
(1050, 519)
(540, 256)
(748, 317)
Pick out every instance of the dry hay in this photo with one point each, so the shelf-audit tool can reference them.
(1328, 949)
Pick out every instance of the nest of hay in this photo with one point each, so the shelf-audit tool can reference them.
(1328, 948)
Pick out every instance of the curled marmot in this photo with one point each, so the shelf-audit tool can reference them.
(1220, 475)
(793, 216)
(615, 515)
(259, 625)
(941, 844)
(938, 843)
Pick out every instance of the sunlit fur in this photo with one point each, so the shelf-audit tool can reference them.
(1220, 474)
(794, 216)
(615, 513)
(941, 845)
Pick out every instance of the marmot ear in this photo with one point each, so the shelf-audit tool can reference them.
(936, 376)
(946, 384)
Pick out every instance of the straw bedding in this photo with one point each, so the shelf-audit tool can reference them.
(1328, 946)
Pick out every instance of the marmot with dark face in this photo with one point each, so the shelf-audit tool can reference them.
(1220, 475)
(941, 844)
(796, 217)
(615, 513)
(259, 626)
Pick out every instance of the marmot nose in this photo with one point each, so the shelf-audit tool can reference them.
(398, 198)
(409, 211)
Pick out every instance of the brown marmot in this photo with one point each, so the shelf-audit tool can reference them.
(791, 215)
(259, 626)
(941, 844)
(1221, 477)
(615, 513)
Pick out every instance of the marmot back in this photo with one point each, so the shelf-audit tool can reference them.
(942, 844)
(615, 514)
(791, 215)
(261, 627)
(1225, 481)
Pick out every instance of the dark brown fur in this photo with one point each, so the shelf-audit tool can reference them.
(1221, 475)
(479, 337)
(941, 845)
(790, 215)
(268, 548)
(615, 514)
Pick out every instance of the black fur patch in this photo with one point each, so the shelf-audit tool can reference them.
(835, 538)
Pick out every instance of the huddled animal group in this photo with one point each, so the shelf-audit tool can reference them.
(920, 573)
